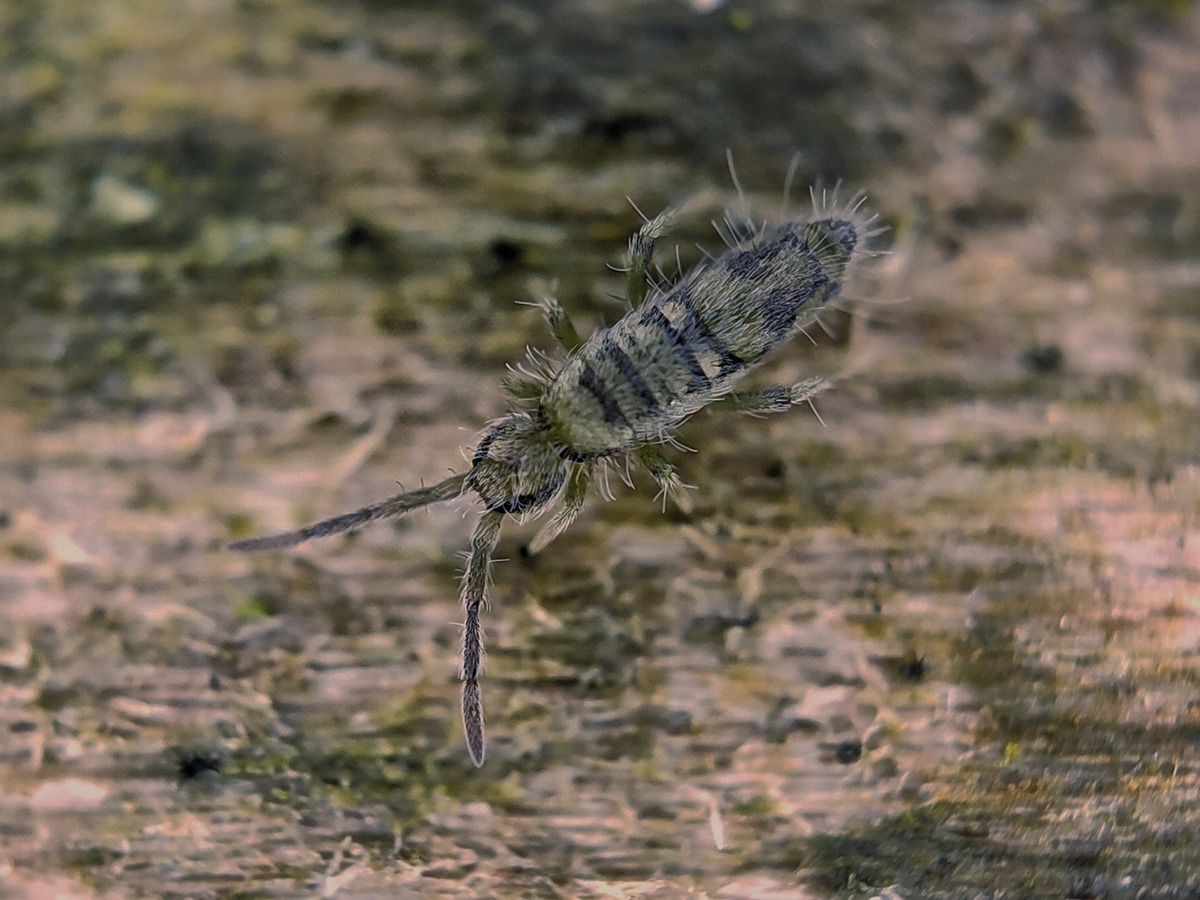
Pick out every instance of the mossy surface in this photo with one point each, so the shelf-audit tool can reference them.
(259, 262)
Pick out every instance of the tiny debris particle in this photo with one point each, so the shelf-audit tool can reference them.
(848, 752)
(120, 203)
(1045, 359)
(914, 668)
(68, 795)
(193, 764)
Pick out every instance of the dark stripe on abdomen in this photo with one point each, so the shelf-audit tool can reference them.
(728, 361)
(782, 306)
(620, 359)
(590, 382)
(699, 381)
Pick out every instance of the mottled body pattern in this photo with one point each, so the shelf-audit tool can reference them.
(621, 393)
(683, 348)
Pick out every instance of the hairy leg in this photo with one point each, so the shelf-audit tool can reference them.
(664, 473)
(572, 503)
(560, 323)
(773, 398)
(641, 256)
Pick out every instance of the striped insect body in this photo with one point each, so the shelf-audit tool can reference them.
(621, 393)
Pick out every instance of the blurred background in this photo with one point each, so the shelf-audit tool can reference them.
(262, 260)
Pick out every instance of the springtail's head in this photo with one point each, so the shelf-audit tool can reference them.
(517, 468)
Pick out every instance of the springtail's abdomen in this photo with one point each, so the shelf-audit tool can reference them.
(688, 345)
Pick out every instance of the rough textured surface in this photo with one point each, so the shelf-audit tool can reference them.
(258, 261)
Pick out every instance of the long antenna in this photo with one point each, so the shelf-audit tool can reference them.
(454, 486)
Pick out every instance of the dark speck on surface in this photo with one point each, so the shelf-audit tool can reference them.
(848, 752)
(1044, 359)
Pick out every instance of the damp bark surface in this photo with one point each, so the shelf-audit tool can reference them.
(259, 262)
